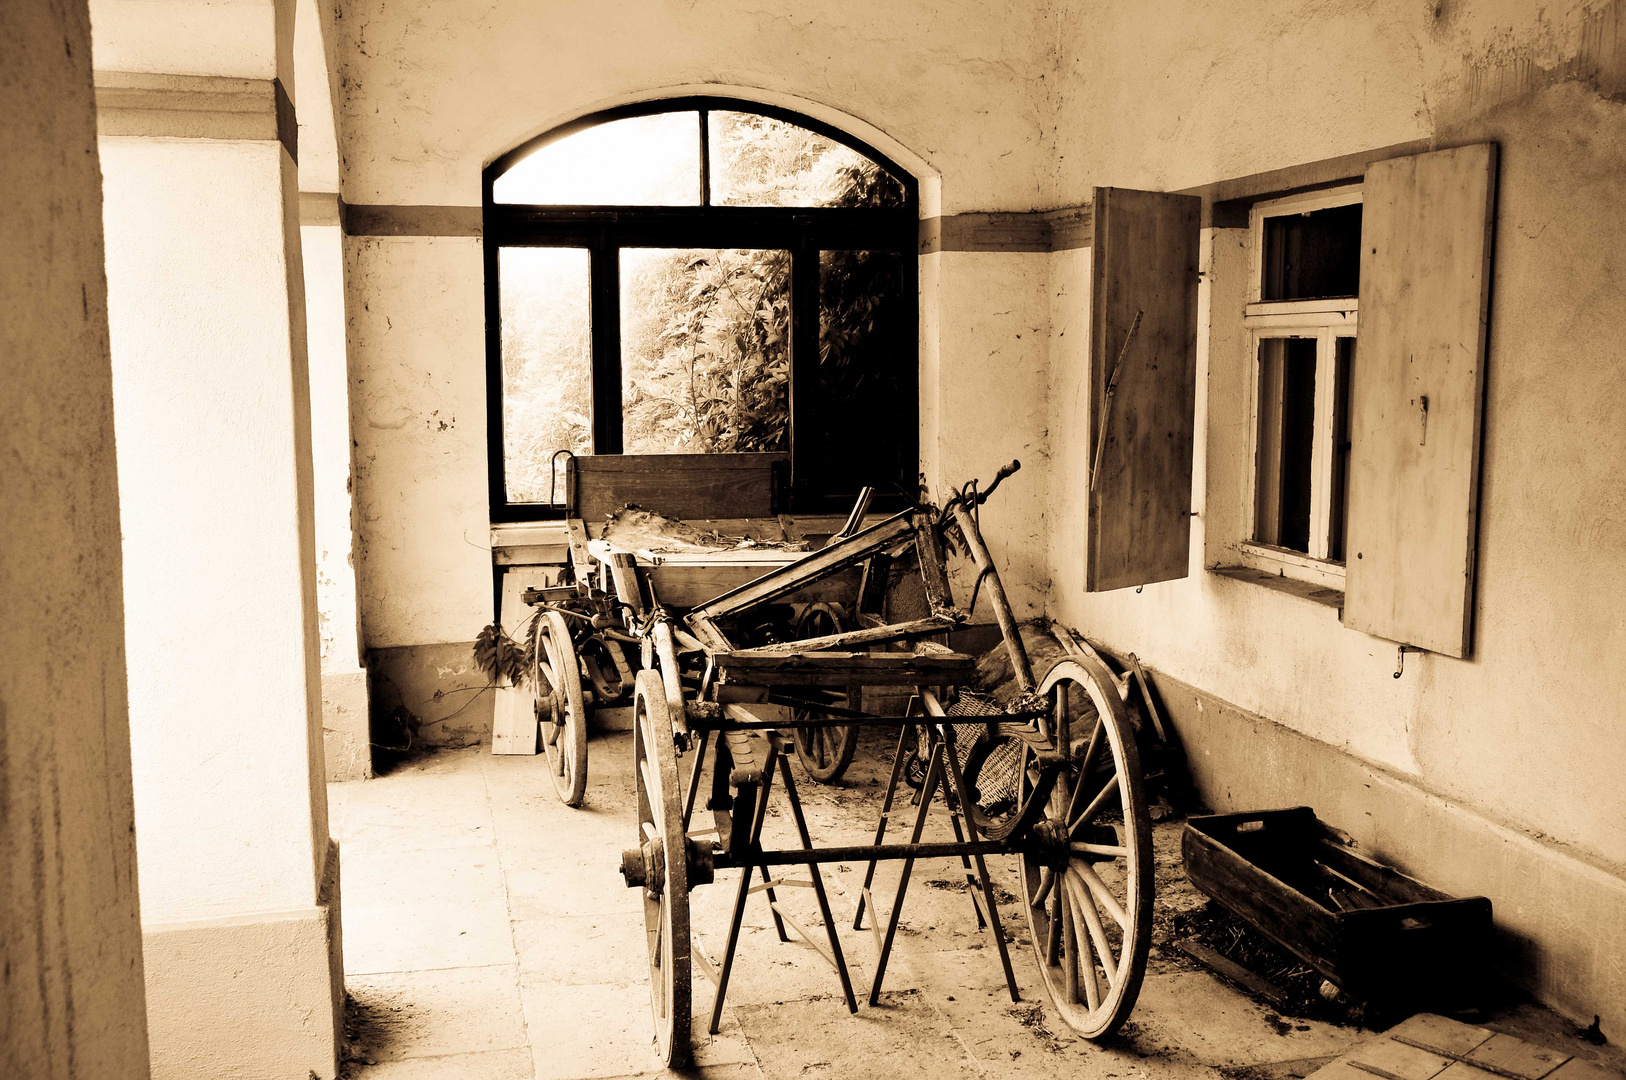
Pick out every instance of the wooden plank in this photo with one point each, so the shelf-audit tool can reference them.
(933, 575)
(1143, 341)
(1230, 969)
(677, 485)
(840, 556)
(683, 586)
(1416, 395)
(514, 728)
(875, 635)
(843, 668)
(579, 557)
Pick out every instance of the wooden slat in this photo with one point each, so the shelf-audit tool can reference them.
(1144, 265)
(579, 558)
(677, 485)
(843, 668)
(820, 564)
(875, 635)
(1416, 395)
(690, 586)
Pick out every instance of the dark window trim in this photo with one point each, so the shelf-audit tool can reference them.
(603, 230)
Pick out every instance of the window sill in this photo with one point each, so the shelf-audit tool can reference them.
(1304, 590)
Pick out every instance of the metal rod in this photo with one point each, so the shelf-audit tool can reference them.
(694, 779)
(837, 958)
(751, 843)
(898, 760)
(963, 795)
(933, 771)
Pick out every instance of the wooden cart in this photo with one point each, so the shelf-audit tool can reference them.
(584, 632)
(1054, 780)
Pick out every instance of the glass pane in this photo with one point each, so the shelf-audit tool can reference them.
(547, 366)
(1286, 436)
(1339, 492)
(639, 161)
(705, 350)
(759, 161)
(1313, 255)
(864, 417)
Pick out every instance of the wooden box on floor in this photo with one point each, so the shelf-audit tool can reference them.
(1377, 934)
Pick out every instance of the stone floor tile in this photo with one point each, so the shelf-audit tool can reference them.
(416, 1014)
(1197, 1013)
(373, 878)
(1508, 1055)
(495, 1065)
(583, 950)
(901, 1038)
(1398, 1060)
(584, 1032)
(419, 937)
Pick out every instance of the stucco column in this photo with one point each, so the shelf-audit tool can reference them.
(345, 682)
(70, 935)
(239, 881)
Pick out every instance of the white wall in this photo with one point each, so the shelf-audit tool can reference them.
(215, 498)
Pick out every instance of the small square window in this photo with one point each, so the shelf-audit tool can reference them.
(1312, 254)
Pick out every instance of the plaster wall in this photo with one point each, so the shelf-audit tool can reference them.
(322, 248)
(70, 936)
(954, 96)
(416, 316)
(983, 387)
(215, 495)
(240, 39)
(431, 92)
(1521, 734)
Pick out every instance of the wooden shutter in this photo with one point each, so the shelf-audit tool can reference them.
(1144, 266)
(1416, 391)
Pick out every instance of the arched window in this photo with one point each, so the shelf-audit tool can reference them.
(701, 275)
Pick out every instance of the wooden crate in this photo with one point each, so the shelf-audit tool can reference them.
(1379, 935)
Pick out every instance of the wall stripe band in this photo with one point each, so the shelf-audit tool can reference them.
(1225, 206)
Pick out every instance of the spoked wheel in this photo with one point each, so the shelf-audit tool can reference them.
(660, 865)
(560, 709)
(825, 752)
(607, 671)
(1087, 871)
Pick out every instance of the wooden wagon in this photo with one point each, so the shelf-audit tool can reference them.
(1053, 779)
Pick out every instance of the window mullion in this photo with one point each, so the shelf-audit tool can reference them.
(804, 368)
(1321, 444)
(605, 314)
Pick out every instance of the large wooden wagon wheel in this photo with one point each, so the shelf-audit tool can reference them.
(825, 752)
(560, 709)
(661, 866)
(1087, 873)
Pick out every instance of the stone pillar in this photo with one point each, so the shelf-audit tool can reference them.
(239, 881)
(345, 686)
(71, 1000)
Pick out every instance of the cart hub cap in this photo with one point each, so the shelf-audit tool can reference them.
(1049, 844)
(648, 863)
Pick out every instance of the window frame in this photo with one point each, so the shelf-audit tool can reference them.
(605, 229)
(1325, 319)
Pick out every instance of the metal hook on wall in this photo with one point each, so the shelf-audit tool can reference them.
(1400, 658)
